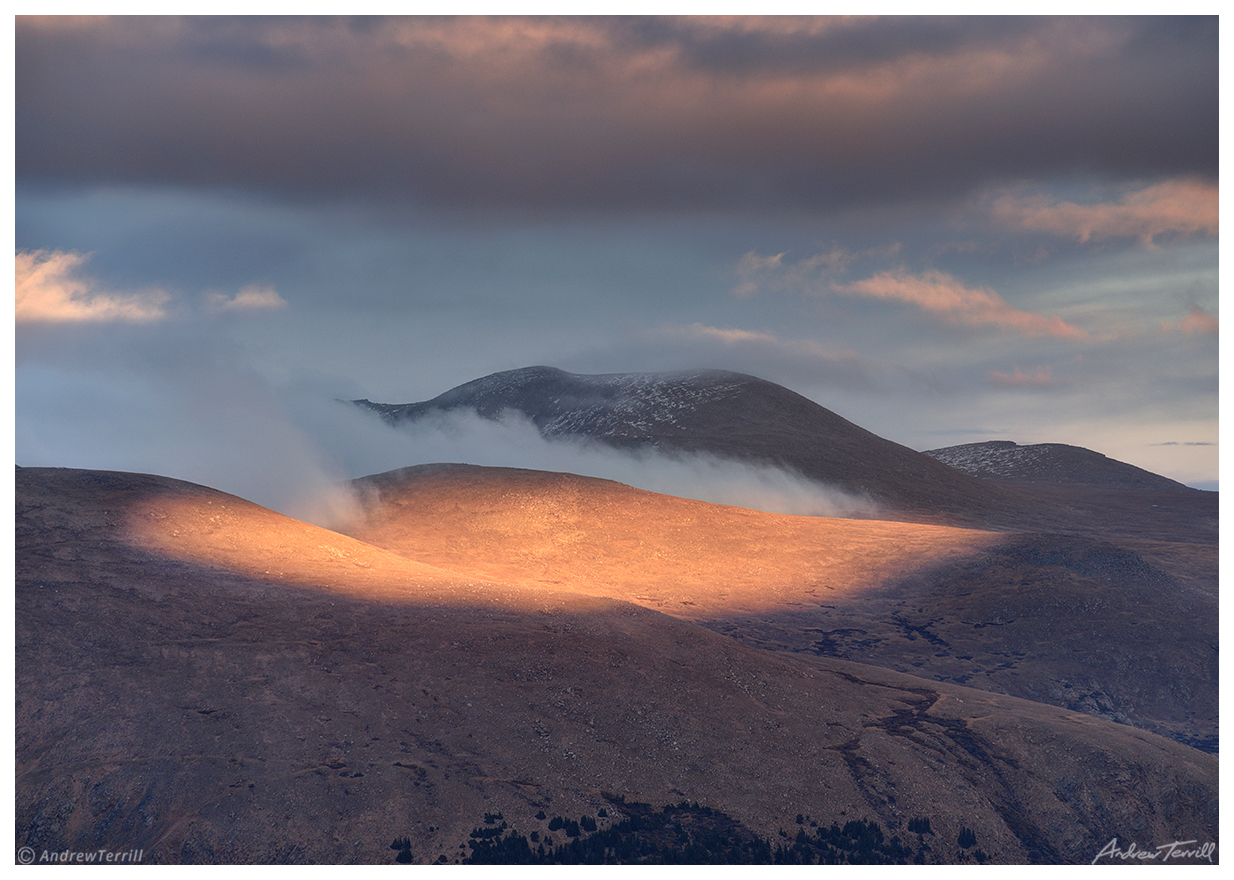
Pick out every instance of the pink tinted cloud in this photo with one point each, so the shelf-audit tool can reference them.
(253, 297)
(1039, 378)
(1176, 207)
(565, 111)
(1197, 323)
(730, 335)
(756, 339)
(758, 273)
(946, 297)
(51, 287)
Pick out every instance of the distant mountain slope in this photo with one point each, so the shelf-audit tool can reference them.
(1049, 464)
(204, 680)
(720, 413)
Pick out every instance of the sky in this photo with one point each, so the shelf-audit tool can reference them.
(946, 230)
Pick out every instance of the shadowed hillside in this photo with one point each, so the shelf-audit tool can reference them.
(212, 682)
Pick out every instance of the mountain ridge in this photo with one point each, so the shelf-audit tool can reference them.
(732, 415)
(1050, 464)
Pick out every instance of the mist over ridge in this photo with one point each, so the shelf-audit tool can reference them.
(708, 435)
(513, 440)
(720, 415)
(293, 448)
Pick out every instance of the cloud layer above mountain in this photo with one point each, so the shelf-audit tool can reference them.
(604, 113)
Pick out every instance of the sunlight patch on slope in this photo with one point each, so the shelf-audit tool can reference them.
(499, 541)
(229, 533)
(687, 558)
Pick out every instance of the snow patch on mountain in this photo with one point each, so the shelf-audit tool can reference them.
(619, 405)
(1048, 463)
(994, 459)
(635, 405)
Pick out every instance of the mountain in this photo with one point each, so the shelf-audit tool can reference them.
(1055, 618)
(203, 680)
(1060, 489)
(1051, 464)
(719, 413)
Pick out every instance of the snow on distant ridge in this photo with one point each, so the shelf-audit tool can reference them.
(993, 459)
(616, 405)
(640, 403)
(1052, 463)
(728, 415)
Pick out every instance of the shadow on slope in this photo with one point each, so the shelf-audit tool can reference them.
(1053, 618)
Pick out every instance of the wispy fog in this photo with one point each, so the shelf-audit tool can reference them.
(359, 442)
(292, 449)
(234, 436)
(181, 397)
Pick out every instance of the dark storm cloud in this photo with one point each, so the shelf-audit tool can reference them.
(613, 114)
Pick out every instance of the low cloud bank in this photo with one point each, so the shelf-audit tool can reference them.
(293, 449)
(513, 441)
(220, 431)
(177, 397)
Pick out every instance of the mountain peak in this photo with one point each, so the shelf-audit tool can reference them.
(712, 412)
(1048, 464)
(619, 408)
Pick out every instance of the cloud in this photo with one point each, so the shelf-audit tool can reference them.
(224, 428)
(253, 297)
(749, 267)
(50, 287)
(942, 295)
(730, 336)
(763, 353)
(1175, 207)
(176, 399)
(1039, 378)
(614, 113)
(1197, 323)
(759, 273)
